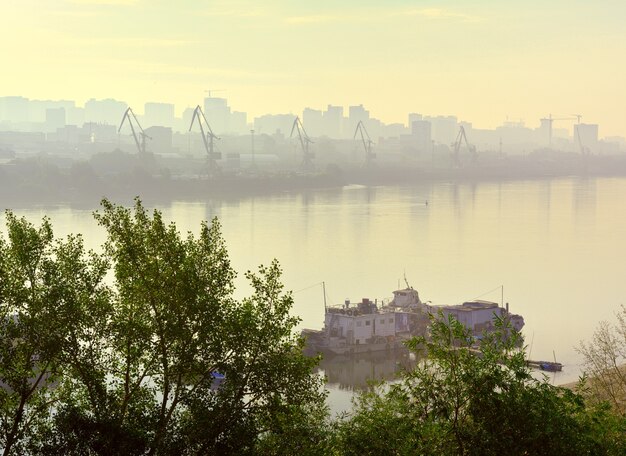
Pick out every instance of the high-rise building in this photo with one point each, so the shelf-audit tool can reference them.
(158, 114)
(586, 136)
(274, 124)
(421, 131)
(239, 123)
(161, 142)
(55, 119)
(444, 128)
(108, 111)
(413, 117)
(333, 118)
(217, 114)
(312, 120)
(357, 114)
(14, 109)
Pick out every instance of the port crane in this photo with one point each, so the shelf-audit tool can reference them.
(130, 116)
(367, 142)
(208, 138)
(307, 157)
(462, 137)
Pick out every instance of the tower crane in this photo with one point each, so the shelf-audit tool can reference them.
(460, 137)
(367, 142)
(307, 157)
(208, 138)
(209, 91)
(130, 116)
(551, 119)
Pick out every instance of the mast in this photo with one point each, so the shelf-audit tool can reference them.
(324, 289)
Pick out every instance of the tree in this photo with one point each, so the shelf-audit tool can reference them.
(605, 363)
(41, 280)
(475, 397)
(144, 379)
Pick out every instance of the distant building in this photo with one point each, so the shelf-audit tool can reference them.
(514, 134)
(55, 119)
(161, 142)
(414, 117)
(586, 136)
(14, 109)
(270, 124)
(421, 131)
(185, 121)
(106, 111)
(313, 122)
(333, 117)
(358, 114)
(222, 120)
(158, 114)
(239, 123)
(393, 130)
(444, 128)
(217, 114)
(100, 132)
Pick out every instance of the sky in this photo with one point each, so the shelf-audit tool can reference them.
(485, 61)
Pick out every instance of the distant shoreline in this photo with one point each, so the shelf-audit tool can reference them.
(26, 183)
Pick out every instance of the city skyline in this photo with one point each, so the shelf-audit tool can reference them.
(485, 62)
(20, 112)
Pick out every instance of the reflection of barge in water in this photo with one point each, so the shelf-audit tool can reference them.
(356, 372)
(369, 327)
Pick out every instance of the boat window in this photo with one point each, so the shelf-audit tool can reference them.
(391, 320)
(367, 322)
(382, 321)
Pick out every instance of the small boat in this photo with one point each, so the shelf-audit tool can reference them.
(549, 366)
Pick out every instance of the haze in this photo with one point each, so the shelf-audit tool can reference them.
(482, 61)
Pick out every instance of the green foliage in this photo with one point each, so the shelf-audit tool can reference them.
(132, 340)
(475, 397)
(605, 363)
(118, 353)
(43, 282)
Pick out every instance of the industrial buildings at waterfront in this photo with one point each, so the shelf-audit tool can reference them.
(64, 127)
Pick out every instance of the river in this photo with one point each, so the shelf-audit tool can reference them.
(556, 246)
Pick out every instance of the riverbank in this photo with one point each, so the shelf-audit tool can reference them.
(44, 180)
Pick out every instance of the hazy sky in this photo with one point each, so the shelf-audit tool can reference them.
(482, 60)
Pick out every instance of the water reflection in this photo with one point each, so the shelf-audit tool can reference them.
(584, 202)
(355, 372)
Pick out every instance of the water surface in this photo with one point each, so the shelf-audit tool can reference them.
(557, 246)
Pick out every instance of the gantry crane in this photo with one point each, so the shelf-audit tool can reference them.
(208, 138)
(460, 137)
(367, 142)
(131, 117)
(307, 157)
